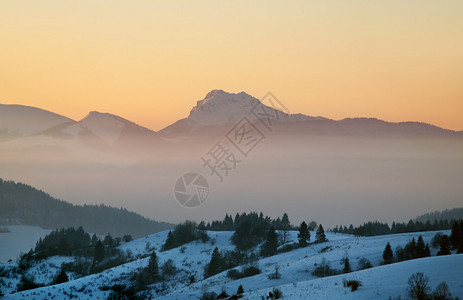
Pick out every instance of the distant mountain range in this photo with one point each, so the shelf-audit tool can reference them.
(23, 204)
(23, 127)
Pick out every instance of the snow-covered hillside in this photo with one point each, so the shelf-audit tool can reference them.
(295, 267)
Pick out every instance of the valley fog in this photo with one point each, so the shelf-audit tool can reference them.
(333, 180)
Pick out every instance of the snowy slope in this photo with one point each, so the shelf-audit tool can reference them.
(377, 283)
(21, 238)
(295, 267)
(20, 120)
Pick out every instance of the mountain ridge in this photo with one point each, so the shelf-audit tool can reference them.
(30, 206)
(211, 116)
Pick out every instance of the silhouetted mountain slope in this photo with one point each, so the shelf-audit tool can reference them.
(24, 204)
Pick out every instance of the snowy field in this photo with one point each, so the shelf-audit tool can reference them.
(22, 237)
(296, 282)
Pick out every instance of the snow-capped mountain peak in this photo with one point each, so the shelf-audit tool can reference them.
(220, 107)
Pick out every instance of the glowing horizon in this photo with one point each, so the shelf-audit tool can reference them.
(149, 61)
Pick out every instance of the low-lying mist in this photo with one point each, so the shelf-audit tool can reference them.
(333, 180)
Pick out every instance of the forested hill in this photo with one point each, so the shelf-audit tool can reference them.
(448, 214)
(20, 203)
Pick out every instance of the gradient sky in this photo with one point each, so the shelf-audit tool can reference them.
(149, 61)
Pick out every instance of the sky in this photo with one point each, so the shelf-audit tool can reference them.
(150, 61)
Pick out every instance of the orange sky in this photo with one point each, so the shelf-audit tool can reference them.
(150, 61)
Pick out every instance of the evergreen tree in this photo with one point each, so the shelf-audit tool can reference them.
(455, 236)
(304, 235)
(152, 270)
(320, 235)
(444, 246)
(61, 277)
(388, 256)
(346, 263)
(240, 290)
(94, 240)
(215, 265)
(108, 241)
(420, 248)
(270, 245)
(410, 249)
(99, 252)
(460, 243)
(285, 225)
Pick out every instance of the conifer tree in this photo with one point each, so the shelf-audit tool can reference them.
(455, 236)
(345, 261)
(152, 270)
(388, 256)
(304, 235)
(61, 277)
(420, 248)
(270, 245)
(320, 235)
(99, 252)
(240, 290)
(215, 265)
(444, 246)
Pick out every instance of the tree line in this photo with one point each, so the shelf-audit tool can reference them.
(377, 228)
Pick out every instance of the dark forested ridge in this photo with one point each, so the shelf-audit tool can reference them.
(20, 203)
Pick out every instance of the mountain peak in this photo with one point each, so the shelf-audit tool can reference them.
(219, 107)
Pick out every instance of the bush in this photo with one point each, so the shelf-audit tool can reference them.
(250, 271)
(353, 284)
(418, 286)
(276, 274)
(61, 277)
(276, 294)
(27, 283)
(324, 270)
(364, 264)
(245, 272)
(436, 240)
(442, 292)
(287, 248)
(168, 268)
(209, 296)
(109, 263)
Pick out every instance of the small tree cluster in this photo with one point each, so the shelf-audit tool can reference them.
(324, 269)
(418, 288)
(413, 249)
(183, 234)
